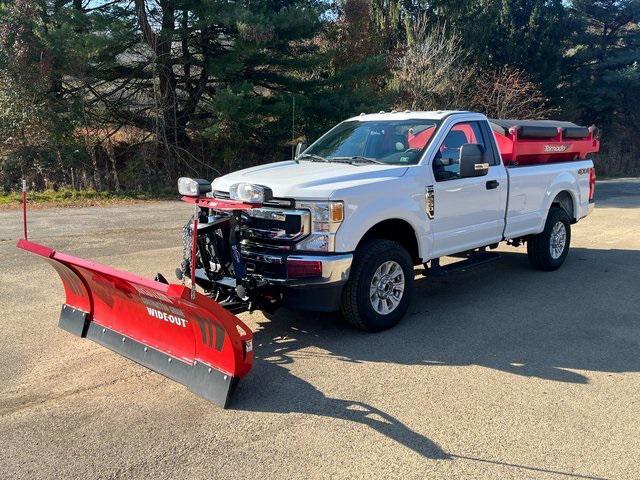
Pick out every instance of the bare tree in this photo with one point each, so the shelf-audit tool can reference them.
(435, 73)
(431, 74)
(509, 93)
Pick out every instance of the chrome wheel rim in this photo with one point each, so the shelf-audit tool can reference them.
(558, 240)
(387, 287)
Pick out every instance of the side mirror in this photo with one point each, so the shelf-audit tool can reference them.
(472, 162)
(300, 147)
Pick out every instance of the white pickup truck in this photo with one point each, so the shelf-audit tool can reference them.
(339, 228)
(342, 226)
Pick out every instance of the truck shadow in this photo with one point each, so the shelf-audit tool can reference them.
(505, 316)
(273, 388)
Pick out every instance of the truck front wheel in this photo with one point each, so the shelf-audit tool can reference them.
(548, 250)
(380, 286)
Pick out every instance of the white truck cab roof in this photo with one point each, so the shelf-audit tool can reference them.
(408, 115)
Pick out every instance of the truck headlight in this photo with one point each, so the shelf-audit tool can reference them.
(250, 193)
(326, 218)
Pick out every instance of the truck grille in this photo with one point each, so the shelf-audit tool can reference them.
(275, 225)
(272, 226)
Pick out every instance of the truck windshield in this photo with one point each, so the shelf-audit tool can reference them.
(399, 142)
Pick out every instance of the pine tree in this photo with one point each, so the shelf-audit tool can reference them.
(603, 74)
(525, 34)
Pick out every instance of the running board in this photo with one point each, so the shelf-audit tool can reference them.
(471, 260)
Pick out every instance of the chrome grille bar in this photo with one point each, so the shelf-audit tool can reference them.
(278, 224)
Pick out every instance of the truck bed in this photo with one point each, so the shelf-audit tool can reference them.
(529, 194)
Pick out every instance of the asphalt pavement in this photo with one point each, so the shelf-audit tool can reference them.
(500, 372)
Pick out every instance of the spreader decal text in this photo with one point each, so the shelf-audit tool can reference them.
(555, 148)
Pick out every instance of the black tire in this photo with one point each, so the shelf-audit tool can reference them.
(356, 306)
(539, 246)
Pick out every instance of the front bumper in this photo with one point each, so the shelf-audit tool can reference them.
(321, 293)
(335, 268)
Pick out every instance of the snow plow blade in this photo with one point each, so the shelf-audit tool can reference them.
(194, 342)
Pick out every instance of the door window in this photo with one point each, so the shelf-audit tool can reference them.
(446, 164)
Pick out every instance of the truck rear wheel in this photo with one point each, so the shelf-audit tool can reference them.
(548, 250)
(380, 286)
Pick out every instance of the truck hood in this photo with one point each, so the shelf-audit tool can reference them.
(309, 180)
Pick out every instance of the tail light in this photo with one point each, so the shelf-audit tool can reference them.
(303, 268)
(592, 183)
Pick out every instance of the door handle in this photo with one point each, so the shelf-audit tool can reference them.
(491, 184)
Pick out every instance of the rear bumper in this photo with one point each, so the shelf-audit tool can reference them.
(584, 210)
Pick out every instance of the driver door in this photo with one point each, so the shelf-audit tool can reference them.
(468, 212)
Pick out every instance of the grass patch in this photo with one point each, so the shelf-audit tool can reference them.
(69, 197)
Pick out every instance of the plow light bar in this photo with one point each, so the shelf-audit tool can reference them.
(250, 193)
(193, 187)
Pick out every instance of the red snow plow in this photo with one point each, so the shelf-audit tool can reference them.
(169, 328)
(193, 341)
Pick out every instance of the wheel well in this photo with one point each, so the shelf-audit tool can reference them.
(397, 230)
(565, 201)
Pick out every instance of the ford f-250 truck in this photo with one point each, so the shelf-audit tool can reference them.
(342, 226)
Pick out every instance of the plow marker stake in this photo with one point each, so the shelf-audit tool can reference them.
(193, 341)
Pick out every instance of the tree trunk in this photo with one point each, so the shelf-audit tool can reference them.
(97, 183)
(112, 159)
(85, 178)
(171, 131)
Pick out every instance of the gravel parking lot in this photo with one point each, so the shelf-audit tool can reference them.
(500, 372)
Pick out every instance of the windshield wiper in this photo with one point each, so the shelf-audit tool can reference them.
(358, 159)
(351, 160)
(313, 157)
